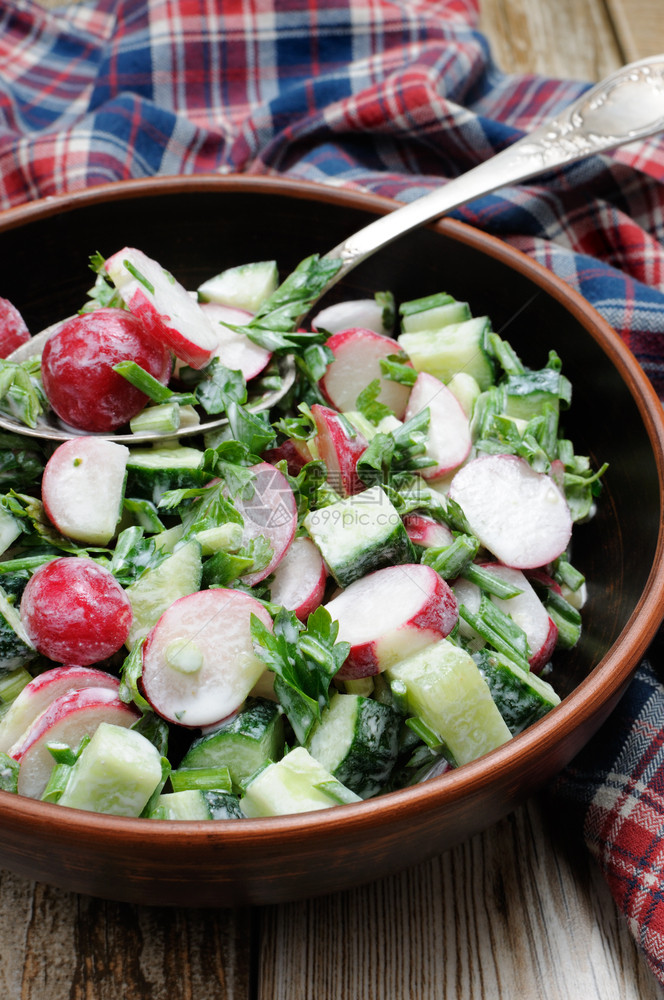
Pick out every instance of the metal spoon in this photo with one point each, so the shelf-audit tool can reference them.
(627, 106)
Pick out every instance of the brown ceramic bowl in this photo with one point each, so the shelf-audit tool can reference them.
(196, 226)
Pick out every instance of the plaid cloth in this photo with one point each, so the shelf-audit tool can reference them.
(394, 97)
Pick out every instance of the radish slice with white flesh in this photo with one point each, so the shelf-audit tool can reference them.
(235, 350)
(199, 663)
(426, 532)
(525, 609)
(66, 720)
(351, 313)
(448, 436)
(270, 511)
(43, 689)
(519, 515)
(340, 446)
(166, 309)
(357, 355)
(299, 579)
(390, 614)
(83, 488)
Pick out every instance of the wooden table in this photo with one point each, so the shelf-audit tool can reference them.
(514, 912)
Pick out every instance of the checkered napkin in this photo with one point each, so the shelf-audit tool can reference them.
(394, 97)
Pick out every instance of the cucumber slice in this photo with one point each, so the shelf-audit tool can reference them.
(444, 687)
(458, 347)
(359, 534)
(10, 529)
(436, 317)
(15, 647)
(195, 804)
(177, 576)
(522, 697)
(527, 395)
(357, 741)
(296, 784)
(252, 737)
(153, 471)
(246, 286)
(116, 773)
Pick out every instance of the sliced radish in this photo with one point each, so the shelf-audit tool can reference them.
(13, 328)
(270, 511)
(163, 305)
(357, 355)
(390, 614)
(38, 694)
(525, 609)
(300, 578)
(518, 514)
(339, 448)
(75, 611)
(199, 663)
(234, 349)
(426, 532)
(351, 313)
(66, 720)
(295, 453)
(448, 435)
(83, 488)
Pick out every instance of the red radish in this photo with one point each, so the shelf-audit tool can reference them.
(365, 313)
(199, 663)
(339, 446)
(357, 355)
(390, 614)
(270, 511)
(234, 349)
(448, 436)
(43, 689)
(66, 720)
(295, 453)
(163, 305)
(77, 369)
(83, 488)
(75, 611)
(519, 515)
(426, 532)
(525, 609)
(13, 328)
(300, 578)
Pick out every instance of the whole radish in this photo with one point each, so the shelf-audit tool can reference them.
(75, 611)
(13, 328)
(77, 369)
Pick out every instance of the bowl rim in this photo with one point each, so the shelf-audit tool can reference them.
(616, 667)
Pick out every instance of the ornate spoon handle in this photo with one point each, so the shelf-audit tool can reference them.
(626, 106)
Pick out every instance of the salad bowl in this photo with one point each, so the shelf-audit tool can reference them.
(197, 226)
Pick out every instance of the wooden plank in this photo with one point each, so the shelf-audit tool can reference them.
(56, 945)
(639, 25)
(508, 914)
(561, 39)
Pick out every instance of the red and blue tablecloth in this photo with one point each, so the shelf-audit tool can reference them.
(393, 97)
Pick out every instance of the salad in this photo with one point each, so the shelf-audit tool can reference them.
(353, 591)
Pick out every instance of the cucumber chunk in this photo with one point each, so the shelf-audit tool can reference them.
(15, 647)
(357, 741)
(153, 471)
(436, 317)
(450, 349)
(296, 784)
(244, 743)
(177, 576)
(521, 696)
(444, 687)
(10, 529)
(246, 286)
(359, 534)
(196, 804)
(116, 773)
